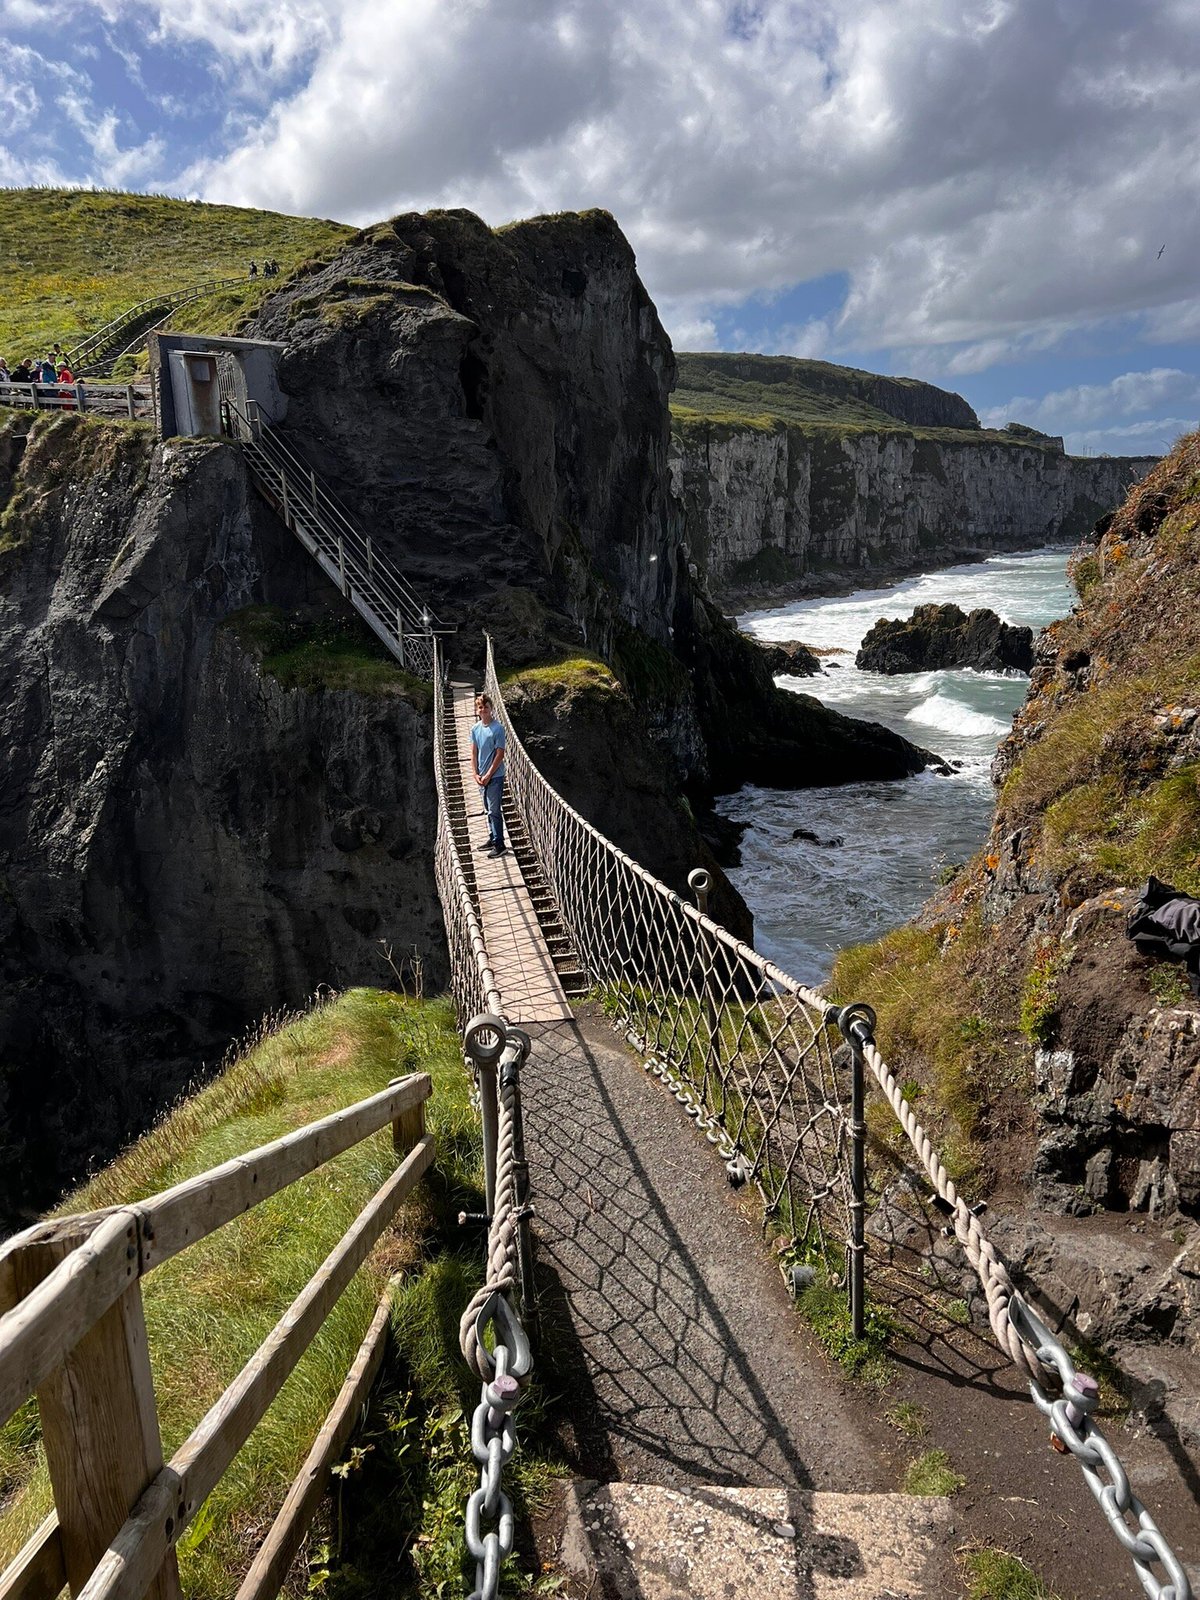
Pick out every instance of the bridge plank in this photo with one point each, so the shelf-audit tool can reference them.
(525, 976)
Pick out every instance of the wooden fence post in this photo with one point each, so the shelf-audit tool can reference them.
(409, 1126)
(99, 1420)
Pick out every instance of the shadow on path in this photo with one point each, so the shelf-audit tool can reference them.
(680, 1340)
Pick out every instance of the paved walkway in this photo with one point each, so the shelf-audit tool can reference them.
(525, 974)
(664, 1322)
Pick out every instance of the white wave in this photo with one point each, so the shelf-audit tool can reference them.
(951, 716)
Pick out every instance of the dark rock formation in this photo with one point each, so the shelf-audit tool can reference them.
(185, 845)
(493, 405)
(936, 637)
(789, 658)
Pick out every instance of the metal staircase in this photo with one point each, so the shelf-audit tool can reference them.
(374, 586)
(96, 355)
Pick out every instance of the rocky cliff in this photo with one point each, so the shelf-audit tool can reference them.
(776, 506)
(186, 843)
(493, 405)
(215, 793)
(1054, 1047)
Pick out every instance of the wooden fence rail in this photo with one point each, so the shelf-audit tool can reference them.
(102, 399)
(73, 1332)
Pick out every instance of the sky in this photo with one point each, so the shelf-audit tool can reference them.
(999, 196)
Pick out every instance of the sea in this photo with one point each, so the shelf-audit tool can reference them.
(881, 847)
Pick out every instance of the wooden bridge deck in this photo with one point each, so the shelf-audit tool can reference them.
(524, 971)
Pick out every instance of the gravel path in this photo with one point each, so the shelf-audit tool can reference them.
(665, 1328)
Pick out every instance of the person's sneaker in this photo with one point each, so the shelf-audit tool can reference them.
(498, 850)
(482, 849)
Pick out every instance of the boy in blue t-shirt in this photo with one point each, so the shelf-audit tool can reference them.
(487, 762)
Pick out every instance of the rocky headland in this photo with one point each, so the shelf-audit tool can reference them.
(802, 477)
(216, 792)
(1057, 1062)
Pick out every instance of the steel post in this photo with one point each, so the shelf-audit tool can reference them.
(857, 1026)
(700, 881)
(490, 1117)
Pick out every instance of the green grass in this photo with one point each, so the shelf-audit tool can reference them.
(908, 1418)
(578, 673)
(825, 1306)
(63, 455)
(324, 655)
(997, 1575)
(931, 1473)
(71, 260)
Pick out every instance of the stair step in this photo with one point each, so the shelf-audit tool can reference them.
(646, 1542)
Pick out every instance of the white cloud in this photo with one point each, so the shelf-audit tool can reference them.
(984, 173)
(1153, 437)
(1132, 394)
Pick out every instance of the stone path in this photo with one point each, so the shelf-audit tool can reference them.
(665, 1321)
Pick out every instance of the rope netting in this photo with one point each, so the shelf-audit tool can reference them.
(743, 1046)
(746, 1049)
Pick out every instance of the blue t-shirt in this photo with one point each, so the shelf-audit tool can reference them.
(487, 739)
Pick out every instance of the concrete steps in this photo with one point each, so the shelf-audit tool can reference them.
(631, 1541)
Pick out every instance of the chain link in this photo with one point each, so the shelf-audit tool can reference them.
(493, 1441)
(1068, 1400)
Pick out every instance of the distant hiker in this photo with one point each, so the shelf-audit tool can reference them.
(487, 762)
(66, 376)
(21, 373)
(5, 380)
(49, 375)
(254, 269)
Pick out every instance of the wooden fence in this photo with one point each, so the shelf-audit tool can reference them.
(105, 399)
(72, 1331)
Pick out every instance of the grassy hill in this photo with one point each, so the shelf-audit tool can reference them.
(72, 259)
(723, 390)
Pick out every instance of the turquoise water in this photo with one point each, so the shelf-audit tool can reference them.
(810, 900)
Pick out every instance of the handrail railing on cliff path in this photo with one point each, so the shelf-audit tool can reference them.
(369, 579)
(72, 1330)
(746, 1051)
(109, 343)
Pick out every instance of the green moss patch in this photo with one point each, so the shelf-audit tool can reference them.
(997, 1575)
(932, 1473)
(580, 673)
(324, 655)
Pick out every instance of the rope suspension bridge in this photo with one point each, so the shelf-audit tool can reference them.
(773, 1077)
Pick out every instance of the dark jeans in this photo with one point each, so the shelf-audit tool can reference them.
(493, 798)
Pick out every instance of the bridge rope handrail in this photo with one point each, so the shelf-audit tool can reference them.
(1067, 1398)
(495, 1052)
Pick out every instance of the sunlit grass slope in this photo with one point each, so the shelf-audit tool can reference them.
(210, 1307)
(72, 259)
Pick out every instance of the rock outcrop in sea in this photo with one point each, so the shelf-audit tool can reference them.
(937, 637)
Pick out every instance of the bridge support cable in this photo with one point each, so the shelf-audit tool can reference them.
(747, 1051)
(369, 579)
(492, 1330)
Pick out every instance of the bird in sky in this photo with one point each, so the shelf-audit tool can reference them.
(1161, 248)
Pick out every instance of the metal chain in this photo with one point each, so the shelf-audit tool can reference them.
(1073, 1430)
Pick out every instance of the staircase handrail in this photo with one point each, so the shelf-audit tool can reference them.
(173, 298)
(325, 503)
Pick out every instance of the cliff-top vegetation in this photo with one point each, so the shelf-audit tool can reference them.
(72, 259)
(739, 391)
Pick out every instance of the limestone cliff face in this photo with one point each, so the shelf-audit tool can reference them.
(772, 507)
(184, 843)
